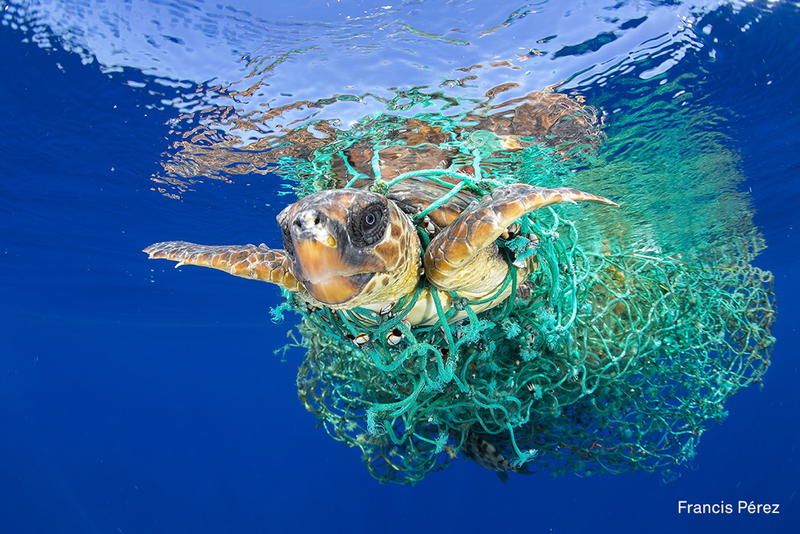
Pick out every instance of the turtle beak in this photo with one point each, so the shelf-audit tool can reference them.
(320, 260)
(315, 249)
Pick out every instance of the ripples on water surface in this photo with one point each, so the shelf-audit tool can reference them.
(131, 122)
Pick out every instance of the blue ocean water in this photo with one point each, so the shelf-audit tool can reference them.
(138, 398)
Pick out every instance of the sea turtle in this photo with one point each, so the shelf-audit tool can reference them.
(353, 247)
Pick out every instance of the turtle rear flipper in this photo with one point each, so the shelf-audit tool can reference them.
(248, 261)
(458, 258)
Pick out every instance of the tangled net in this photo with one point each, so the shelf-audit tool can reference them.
(615, 356)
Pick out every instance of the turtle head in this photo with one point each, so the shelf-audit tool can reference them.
(350, 247)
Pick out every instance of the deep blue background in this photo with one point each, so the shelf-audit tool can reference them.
(135, 398)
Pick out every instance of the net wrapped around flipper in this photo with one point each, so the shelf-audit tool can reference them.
(615, 355)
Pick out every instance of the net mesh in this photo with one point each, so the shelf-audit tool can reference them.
(613, 356)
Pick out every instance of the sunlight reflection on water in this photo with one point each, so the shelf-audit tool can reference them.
(239, 78)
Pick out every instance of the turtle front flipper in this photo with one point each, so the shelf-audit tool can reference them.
(248, 261)
(458, 259)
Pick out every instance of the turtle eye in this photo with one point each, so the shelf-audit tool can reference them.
(368, 227)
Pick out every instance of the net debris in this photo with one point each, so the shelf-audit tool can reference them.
(614, 354)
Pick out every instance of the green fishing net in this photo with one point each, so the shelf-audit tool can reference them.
(615, 355)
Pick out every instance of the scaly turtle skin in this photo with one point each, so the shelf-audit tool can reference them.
(354, 248)
(348, 248)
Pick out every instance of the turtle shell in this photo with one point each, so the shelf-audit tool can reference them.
(547, 118)
(541, 117)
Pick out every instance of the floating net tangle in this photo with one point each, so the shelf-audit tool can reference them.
(611, 357)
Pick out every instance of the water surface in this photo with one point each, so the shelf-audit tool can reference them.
(138, 398)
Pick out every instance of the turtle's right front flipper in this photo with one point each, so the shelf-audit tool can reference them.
(248, 261)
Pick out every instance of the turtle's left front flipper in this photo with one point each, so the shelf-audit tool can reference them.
(248, 261)
(465, 240)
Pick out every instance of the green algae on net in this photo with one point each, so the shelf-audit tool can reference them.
(618, 357)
